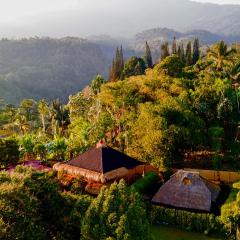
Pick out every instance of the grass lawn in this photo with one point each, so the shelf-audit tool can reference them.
(169, 233)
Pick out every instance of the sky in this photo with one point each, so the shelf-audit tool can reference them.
(11, 10)
(85, 17)
(220, 1)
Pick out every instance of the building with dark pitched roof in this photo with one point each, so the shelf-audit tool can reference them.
(101, 164)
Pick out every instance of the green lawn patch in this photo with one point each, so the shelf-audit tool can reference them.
(169, 233)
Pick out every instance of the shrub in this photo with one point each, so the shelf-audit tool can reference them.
(9, 152)
(117, 213)
(172, 65)
(40, 151)
(78, 185)
(147, 184)
(198, 222)
(32, 206)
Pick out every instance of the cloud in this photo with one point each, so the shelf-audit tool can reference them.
(220, 1)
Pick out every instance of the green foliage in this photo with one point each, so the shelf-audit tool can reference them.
(33, 207)
(172, 66)
(198, 222)
(116, 71)
(135, 66)
(117, 213)
(181, 53)
(78, 185)
(97, 83)
(147, 183)
(189, 54)
(40, 150)
(57, 148)
(164, 51)
(196, 51)
(221, 57)
(174, 46)
(215, 134)
(47, 68)
(148, 56)
(230, 211)
(9, 152)
(156, 115)
(26, 198)
(27, 144)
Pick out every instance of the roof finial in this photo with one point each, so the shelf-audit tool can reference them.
(101, 144)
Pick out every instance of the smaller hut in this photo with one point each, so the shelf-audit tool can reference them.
(102, 164)
(187, 190)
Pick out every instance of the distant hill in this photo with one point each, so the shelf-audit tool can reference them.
(156, 36)
(49, 68)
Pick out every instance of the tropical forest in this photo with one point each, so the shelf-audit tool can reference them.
(114, 140)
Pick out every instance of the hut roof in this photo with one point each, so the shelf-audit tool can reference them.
(187, 190)
(103, 159)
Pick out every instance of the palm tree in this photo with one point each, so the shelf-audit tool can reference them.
(60, 115)
(43, 111)
(235, 72)
(59, 147)
(221, 56)
(22, 123)
(28, 108)
(27, 146)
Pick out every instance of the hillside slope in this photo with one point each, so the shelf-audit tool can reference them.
(49, 68)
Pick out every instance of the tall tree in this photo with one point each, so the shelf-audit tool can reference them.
(135, 66)
(59, 116)
(117, 62)
(117, 213)
(121, 60)
(148, 56)
(112, 73)
(21, 122)
(189, 54)
(117, 66)
(97, 83)
(164, 50)
(43, 111)
(181, 53)
(28, 107)
(221, 56)
(174, 46)
(196, 51)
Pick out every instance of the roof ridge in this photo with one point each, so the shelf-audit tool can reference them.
(102, 166)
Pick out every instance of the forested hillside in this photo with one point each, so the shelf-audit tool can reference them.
(190, 103)
(56, 68)
(49, 68)
(181, 112)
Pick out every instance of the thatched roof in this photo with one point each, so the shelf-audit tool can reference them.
(187, 190)
(103, 159)
(91, 175)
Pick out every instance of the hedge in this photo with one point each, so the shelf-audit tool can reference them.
(198, 222)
